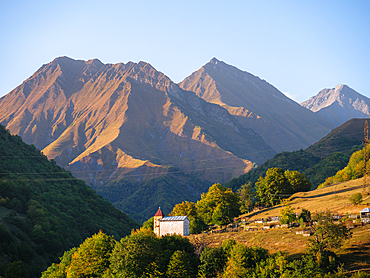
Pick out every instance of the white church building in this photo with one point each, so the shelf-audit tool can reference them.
(169, 225)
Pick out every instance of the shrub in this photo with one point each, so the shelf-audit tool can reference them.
(356, 198)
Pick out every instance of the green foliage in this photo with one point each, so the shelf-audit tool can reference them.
(242, 259)
(16, 270)
(327, 235)
(297, 181)
(245, 194)
(287, 213)
(228, 245)
(133, 255)
(138, 254)
(212, 262)
(180, 265)
(271, 188)
(277, 184)
(353, 170)
(314, 166)
(149, 224)
(218, 206)
(189, 209)
(47, 210)
(356, 199)
(142, 254)
(60, 270)
(92, 257)
(296, 161)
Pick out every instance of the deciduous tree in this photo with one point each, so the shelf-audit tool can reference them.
(245, 194)
(221, 197)
(326, 235)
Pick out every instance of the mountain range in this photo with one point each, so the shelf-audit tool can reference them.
(105, 121)
(128, 129)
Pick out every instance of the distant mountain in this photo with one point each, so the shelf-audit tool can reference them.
(44, 210)
(256, 104)
(128, 122)
(339, 104)
(319, 161)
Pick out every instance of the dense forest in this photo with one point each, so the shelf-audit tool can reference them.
(44, 210)
(143, 254)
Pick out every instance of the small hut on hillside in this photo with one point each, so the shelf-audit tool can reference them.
(365, 215)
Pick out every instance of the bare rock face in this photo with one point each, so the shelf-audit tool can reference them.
(113, 121)
(339, 104)
(256, 104)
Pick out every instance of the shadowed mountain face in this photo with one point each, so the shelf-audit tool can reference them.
(339, 104)
(256, 104)
(110, 121)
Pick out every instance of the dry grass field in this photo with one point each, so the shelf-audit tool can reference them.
(355, 253)
(334, 198)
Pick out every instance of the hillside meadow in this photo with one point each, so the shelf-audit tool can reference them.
(354, 254)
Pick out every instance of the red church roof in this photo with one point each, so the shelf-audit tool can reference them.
(159, 212)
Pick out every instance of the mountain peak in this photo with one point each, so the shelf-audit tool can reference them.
(214, 61)
(339, 104)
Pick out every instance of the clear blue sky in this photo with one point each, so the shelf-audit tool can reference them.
(300, 47)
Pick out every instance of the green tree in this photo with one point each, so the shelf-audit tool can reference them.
(16, 270)
(245, 194)
(60, 270)
(242, 259)
(228, 245)
(92, 257)
(220, 216)
(180, 266)
(189, 209)
(133, 255)
(149, 224)
(169, 245)
(271, 188)
(327, 235)
(212, 262)
(287, 213)
(297, 181)
(356, 198)
(221, 196)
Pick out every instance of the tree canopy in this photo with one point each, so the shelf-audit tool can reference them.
(279, 184)
(218, 206)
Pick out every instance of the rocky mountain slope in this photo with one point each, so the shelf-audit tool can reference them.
(106, 121)
(258, 105)
(339, 104)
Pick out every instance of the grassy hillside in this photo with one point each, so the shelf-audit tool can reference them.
(354, 254)
(44, 210)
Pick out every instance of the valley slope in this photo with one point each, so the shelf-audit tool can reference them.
(319, 161)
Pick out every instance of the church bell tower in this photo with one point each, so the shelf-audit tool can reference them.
(157, 216)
